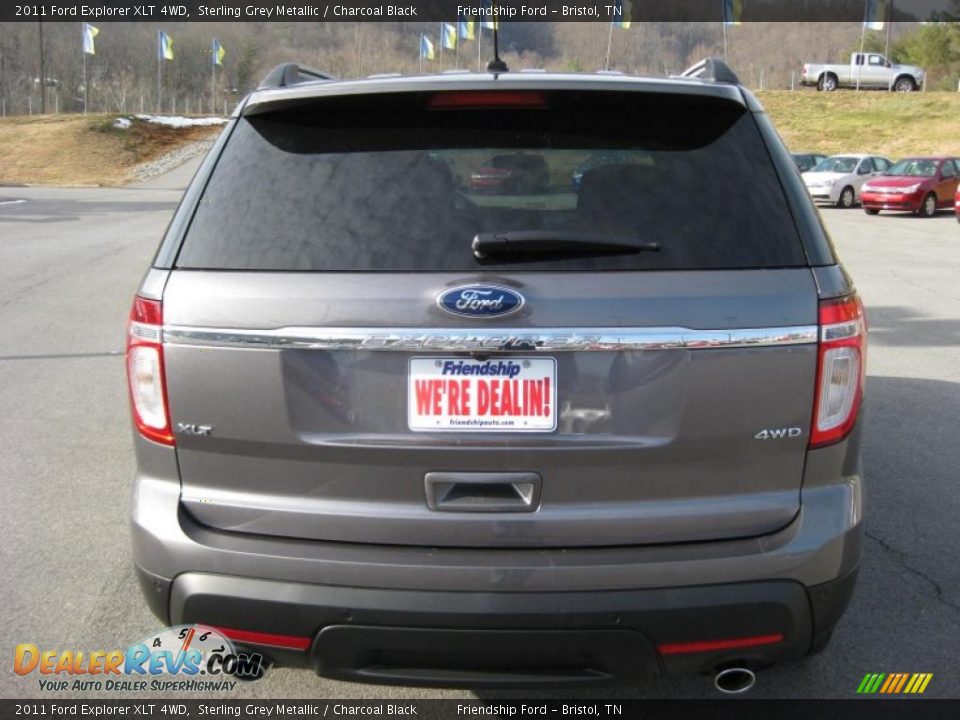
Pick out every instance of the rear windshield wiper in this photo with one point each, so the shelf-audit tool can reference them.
(526, 243)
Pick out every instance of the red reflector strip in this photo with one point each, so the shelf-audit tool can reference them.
(710, 645)
(293, 642)
(487, 99)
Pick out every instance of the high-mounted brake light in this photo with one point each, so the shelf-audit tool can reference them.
(487, 100)
(841, 367)
(145, 372)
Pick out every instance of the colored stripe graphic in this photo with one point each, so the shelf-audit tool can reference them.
(891, 680)
(903, 680)
(894, 683)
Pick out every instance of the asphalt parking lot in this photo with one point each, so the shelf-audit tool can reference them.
(70, 260)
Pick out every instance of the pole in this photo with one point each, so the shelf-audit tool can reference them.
(213, 82)
(724, 41)
(420, 53)
(441, 47)
(159, 75)
(863, 37)
(886, 52)
(43, 75)
(479, 40)
(609, 45)
(86, 94)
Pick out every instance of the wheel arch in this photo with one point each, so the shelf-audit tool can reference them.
(904, 76)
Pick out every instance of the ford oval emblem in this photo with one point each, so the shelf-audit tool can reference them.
(480, 301)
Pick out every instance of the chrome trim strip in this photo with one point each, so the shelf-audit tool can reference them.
(143, 331)
(841, 331)
(486, 339)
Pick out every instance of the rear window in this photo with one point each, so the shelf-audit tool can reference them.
(387, 183)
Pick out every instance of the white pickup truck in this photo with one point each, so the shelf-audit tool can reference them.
(866, 70)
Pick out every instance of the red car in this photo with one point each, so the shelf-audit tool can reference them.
(917, 185)
(956, 203)
(518, 173)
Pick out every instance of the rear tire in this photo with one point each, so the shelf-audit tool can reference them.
(827, 83)
(847, 198)
(904, 84)
(928, 207)
(871, 211)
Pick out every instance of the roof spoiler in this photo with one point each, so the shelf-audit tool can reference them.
(711, 69)
(288, 74)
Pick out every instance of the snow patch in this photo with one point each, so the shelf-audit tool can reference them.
(122, 123)
(177, 121)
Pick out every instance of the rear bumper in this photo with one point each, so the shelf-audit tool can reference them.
(501, 639)
(794, 582)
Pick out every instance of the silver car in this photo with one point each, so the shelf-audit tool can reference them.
(398, 430)
(837, 179)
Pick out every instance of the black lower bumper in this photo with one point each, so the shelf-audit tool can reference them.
(500, 639)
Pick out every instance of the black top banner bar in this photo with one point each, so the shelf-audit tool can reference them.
(104, 11)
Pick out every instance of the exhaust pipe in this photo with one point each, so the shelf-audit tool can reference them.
(734, 680)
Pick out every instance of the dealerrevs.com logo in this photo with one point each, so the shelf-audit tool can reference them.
(187, 658)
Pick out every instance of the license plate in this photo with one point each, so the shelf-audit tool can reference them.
(496, 395)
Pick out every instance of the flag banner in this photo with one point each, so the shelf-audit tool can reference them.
(449, 36)
(468, 29)
(621, 14)
(164, 45)
(732, 12)
(874, 14)
(218, 53)
(89, 33)
(490, 21)
(426, 48)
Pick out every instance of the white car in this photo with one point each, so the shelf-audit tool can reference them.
(838, 179)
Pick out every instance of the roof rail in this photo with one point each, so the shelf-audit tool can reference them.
(711, 69)
(287, 74)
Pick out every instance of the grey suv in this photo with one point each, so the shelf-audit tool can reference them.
(401, 430)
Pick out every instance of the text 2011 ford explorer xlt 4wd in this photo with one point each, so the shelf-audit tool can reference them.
(400, 430)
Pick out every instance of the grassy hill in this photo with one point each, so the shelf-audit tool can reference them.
(84, 150)
(90, 150)
(890, 124)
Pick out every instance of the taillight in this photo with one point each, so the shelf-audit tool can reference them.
(145, 375)
(840, 370)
